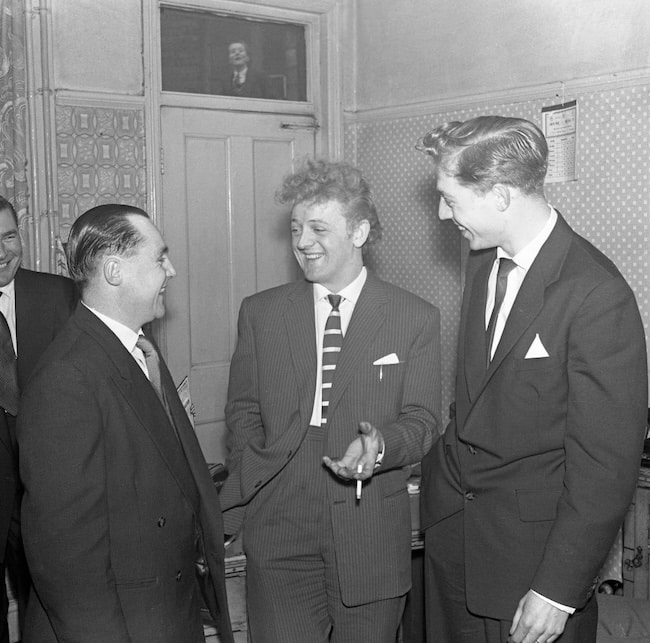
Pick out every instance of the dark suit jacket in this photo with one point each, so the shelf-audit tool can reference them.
(43, 304)
(543, 454)
(111, 505)
(257, 85)
(270, 400)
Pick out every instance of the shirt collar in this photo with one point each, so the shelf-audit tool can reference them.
(10, 289)
(525, 257)
(350, 293)
(127, 336)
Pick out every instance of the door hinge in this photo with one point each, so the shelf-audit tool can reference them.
(162, 161)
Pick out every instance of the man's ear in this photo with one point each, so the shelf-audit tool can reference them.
(112, 271)
(360, 234)
(502, 196)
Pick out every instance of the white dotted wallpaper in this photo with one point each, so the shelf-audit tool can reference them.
(609, 203)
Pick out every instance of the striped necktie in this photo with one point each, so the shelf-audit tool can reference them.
(332, 342)
(9, 393)
(505, 266)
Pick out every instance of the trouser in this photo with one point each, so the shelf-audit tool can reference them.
(447, 618)
(293, 593)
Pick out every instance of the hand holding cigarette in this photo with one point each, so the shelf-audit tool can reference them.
(359, 460)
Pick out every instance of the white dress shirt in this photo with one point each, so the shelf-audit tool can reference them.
(8, 309)
(523, 260)
(127, 337)
(322, 308)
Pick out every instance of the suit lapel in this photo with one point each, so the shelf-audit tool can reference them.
(300, 325)
(140, 395)
(529, 302)
(474, 346)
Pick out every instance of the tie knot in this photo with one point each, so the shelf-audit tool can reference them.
(335, 301)
(145, 346)
(505, 266)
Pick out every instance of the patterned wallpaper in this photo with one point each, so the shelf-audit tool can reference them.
(100, 159)
(609, 203)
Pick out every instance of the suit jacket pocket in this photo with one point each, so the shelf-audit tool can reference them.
(393, 482)
(535, 363)
(538, 504)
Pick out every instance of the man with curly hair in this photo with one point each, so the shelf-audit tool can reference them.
(334, 389)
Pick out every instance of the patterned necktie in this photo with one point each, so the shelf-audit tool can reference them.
(153, 366)
(9, 393)
(505, 266)
(332, 342)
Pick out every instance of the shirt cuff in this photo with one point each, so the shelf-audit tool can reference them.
(564, 608)
(380, 455)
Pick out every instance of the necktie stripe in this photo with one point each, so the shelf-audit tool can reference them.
(332, 342)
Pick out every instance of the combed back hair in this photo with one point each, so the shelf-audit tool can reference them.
(5, 204)
(101, 231)
(320, 181)
(484, 151)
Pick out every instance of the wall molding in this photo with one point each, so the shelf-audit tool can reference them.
(562, 90)
(97, 99)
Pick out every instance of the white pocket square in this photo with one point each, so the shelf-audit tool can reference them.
(536, 349)
(386, 359)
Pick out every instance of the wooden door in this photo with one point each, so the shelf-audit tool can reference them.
(228, 238)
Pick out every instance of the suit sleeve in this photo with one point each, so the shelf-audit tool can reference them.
(243, 417)
(409, 437)
(64, 511)
(605, 428)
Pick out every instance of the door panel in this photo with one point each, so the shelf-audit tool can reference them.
(228, 238)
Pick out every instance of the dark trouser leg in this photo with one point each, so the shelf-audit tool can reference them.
(447, 617)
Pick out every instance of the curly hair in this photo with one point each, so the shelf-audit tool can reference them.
(487, 150)
(319, 181)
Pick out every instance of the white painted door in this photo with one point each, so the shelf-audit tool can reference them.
(228, 238)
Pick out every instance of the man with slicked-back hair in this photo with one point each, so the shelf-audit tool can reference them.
(121, 520)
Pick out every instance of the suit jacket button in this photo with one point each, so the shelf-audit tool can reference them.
(162, 521)
(469, 496)
(472, 449)
(179, 575)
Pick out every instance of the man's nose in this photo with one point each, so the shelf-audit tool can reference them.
(444, 211)
(304, 240)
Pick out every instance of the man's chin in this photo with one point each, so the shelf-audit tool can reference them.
(7, 275)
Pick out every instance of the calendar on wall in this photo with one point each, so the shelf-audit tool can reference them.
(560, 126)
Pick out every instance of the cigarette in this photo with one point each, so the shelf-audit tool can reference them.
(359, 482)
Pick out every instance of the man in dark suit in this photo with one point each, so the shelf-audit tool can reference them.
(340, 363)
(121, 521)
(36, 306)
(244, 80)
(524, 494)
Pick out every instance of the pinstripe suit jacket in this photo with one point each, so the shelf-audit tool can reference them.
(270, 400)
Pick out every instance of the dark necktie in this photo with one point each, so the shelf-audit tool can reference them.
(8, 370)
(332, 342)
(153, 366)
(505, 266)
